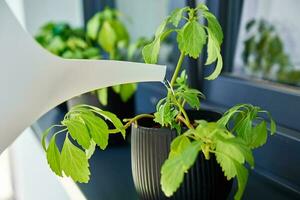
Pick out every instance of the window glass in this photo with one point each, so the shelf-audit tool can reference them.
(268, 45)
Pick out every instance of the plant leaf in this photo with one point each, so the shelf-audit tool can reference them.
(202, 7)
(93, 26)
(214, 26)
(176, 15)
(116, 88)
(102, 96)
(107, 37)
(98, 129)
(161, 28)
(173, 169)
(166, 114)
(78, 131)
(74, 162)
(259, 135)
(213, 48)
(229, 114)
(115, 121)
(191, 39)
(53, 157)
(127, 91)
(232, 168)
(44, 136)
(242, 178)
(90, 151)
(217, 70)
(120, 30)
(150, 51)
(178, 145)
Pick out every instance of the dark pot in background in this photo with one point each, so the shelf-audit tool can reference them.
(115, 105)
(150, 147)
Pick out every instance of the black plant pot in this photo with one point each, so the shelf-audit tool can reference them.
(115, 105)
(150, 148)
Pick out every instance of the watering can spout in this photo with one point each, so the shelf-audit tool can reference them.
(32, 81)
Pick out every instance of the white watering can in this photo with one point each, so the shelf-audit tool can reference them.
(32, 81)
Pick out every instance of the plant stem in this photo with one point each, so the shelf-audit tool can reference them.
(183, 120)
(130, 121)
(177, 69)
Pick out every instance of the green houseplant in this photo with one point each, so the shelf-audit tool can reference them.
(227, 140)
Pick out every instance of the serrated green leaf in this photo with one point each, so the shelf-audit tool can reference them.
(98, 129)
(173, 169)
(236, 148)
(165, 115)
(191, 39)
(53, 157)
(177, 15)
(102, 96)
(205, 129)
(192, 97)
(74, 162)
(93, 26)
(115, 121)
(107, 38)
(242, 178)
(214, 26)
(150, 52)
(78, 131)
(90, 151)
(227, 165)
(127, 91)
(259, 135)
(217, 70)
(178, 145)
(213, 49)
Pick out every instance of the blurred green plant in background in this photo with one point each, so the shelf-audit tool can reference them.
(63, 40)
(264, 54)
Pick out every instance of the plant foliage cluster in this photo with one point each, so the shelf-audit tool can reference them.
(231, 139)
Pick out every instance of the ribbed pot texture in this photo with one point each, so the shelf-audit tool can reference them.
(150, 147)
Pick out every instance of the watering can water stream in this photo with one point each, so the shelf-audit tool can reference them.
(32, 81)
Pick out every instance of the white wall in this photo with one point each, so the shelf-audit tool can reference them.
(38, 12)
(144, 15)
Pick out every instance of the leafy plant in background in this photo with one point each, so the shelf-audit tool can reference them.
(67, 42)
(107, 31)
(264, 53)
(231, 139)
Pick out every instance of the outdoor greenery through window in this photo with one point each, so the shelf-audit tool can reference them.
(267, 46)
